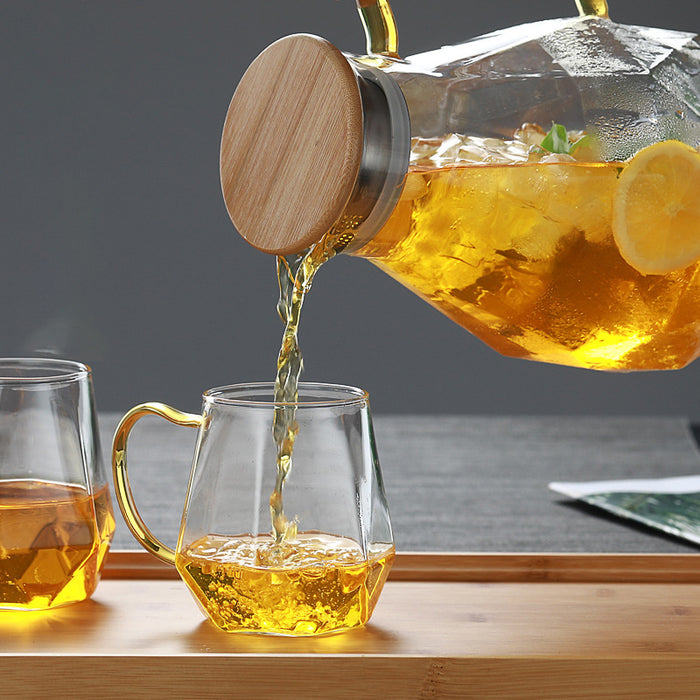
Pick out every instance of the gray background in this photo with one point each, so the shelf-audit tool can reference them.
(117, 250)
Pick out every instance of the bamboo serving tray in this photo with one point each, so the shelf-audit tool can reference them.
(446, 626)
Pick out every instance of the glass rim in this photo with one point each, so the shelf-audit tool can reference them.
(226, 395)
(47, 370)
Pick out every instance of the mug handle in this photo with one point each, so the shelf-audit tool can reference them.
(124, 495)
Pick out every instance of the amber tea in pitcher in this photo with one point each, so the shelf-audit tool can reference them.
(533, 255)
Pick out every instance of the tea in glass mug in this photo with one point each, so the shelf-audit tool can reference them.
(300, 550)
(56, 520)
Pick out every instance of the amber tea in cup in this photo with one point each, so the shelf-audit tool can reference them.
(300, 551)
(56, 520)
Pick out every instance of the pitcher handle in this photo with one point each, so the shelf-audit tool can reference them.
(380, 27)
(124, 495)
(592, 8)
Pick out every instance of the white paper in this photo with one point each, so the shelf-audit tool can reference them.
(671, 504)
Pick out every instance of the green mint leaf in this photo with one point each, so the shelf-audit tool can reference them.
(583, 141)
(557, 140)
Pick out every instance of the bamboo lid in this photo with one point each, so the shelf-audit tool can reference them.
(292, 144)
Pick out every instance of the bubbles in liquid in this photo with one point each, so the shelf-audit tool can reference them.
(323, 583)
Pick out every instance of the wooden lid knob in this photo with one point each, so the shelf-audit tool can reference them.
(292, 144)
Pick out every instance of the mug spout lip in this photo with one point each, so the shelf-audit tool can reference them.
(261, 395)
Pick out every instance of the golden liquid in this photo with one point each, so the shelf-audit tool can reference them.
(295, 274)
(324, 584)
(524, 258)
(53, 541)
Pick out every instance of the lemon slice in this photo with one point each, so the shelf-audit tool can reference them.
(656, 209)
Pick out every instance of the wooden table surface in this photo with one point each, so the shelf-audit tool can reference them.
(142, 636)
(552, 600)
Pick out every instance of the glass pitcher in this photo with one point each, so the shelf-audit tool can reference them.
(538, 185)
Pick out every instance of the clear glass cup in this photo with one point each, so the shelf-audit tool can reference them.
(326, 571)
(56, 520)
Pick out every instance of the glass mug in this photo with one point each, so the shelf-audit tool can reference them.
(56, 520)
(324, 572)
